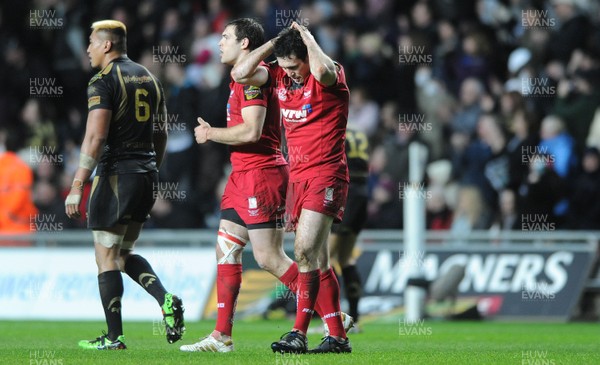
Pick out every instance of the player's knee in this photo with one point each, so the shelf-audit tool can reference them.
(231, 247)
(124, 255)
(304, 257)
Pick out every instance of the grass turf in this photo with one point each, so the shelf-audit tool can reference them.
(47, 343)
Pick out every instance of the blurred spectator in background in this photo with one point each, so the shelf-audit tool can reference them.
(484, 162)
(538, 194)
(497, 167)
(470, 212)
(523, 140)
(584, 200)
(560, 147)
(363, 114)
(16, 182)
(422, 20)
(469, 109)
(438, 214)
(396, 150)
(51, 206)
(507, 218)
(573, 31)
(446, 50)
(388, 122)
(41, 134)
(578, 99)
(438, 107)
(472, 61)
(511, 103)
(558, 144)
(181, 154)
(384, 210)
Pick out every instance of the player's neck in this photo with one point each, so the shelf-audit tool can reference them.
(111, 57)
(239, 58)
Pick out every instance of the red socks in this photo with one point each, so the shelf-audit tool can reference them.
(290, 279)
(329, 303)
(306, 296)
(229, 280)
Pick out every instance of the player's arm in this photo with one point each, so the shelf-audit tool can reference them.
(96, 131)
(160, 136)
(247, 132)
(247, 70)
(322, 66)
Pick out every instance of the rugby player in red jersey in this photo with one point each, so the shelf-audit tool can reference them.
(313, 98)
(255, 193)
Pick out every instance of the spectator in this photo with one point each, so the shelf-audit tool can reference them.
(584, 199)
(438, 214)
(470, 212)
(573, 30)
(363, 115)
(385, 210)
(472, 61)
(558, 144)
(41, 131)
(541, 190)
(484, 162)
(522, 141)
(16, 181)
(421, 16)
(465, 120)
(396, 151)
(507, 218)
(497, 169)
(446, 50)
(578, 99)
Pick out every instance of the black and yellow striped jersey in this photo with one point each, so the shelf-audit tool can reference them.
(357, 153)
(136, 99)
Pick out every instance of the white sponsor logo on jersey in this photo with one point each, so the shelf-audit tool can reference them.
(293, 115)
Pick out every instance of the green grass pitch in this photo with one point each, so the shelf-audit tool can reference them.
(430, 342)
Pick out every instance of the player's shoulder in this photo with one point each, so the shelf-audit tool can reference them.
(251, 92)
(101, 74)
(271, 66)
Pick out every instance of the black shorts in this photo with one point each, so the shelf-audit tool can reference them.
(119, 199)
(231, 215)
(355, 213)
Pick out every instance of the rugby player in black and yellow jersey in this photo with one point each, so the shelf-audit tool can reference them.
(125, 147)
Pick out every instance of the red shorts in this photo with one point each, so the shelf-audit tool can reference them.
(322, 194)
(257, 196)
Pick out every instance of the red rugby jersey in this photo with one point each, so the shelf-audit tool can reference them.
(315, 118)
(266, 152)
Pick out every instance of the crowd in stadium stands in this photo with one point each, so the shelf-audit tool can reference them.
(505, 94)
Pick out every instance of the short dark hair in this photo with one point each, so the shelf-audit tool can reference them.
(289, 42)
(114, 31)
(250, 29)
